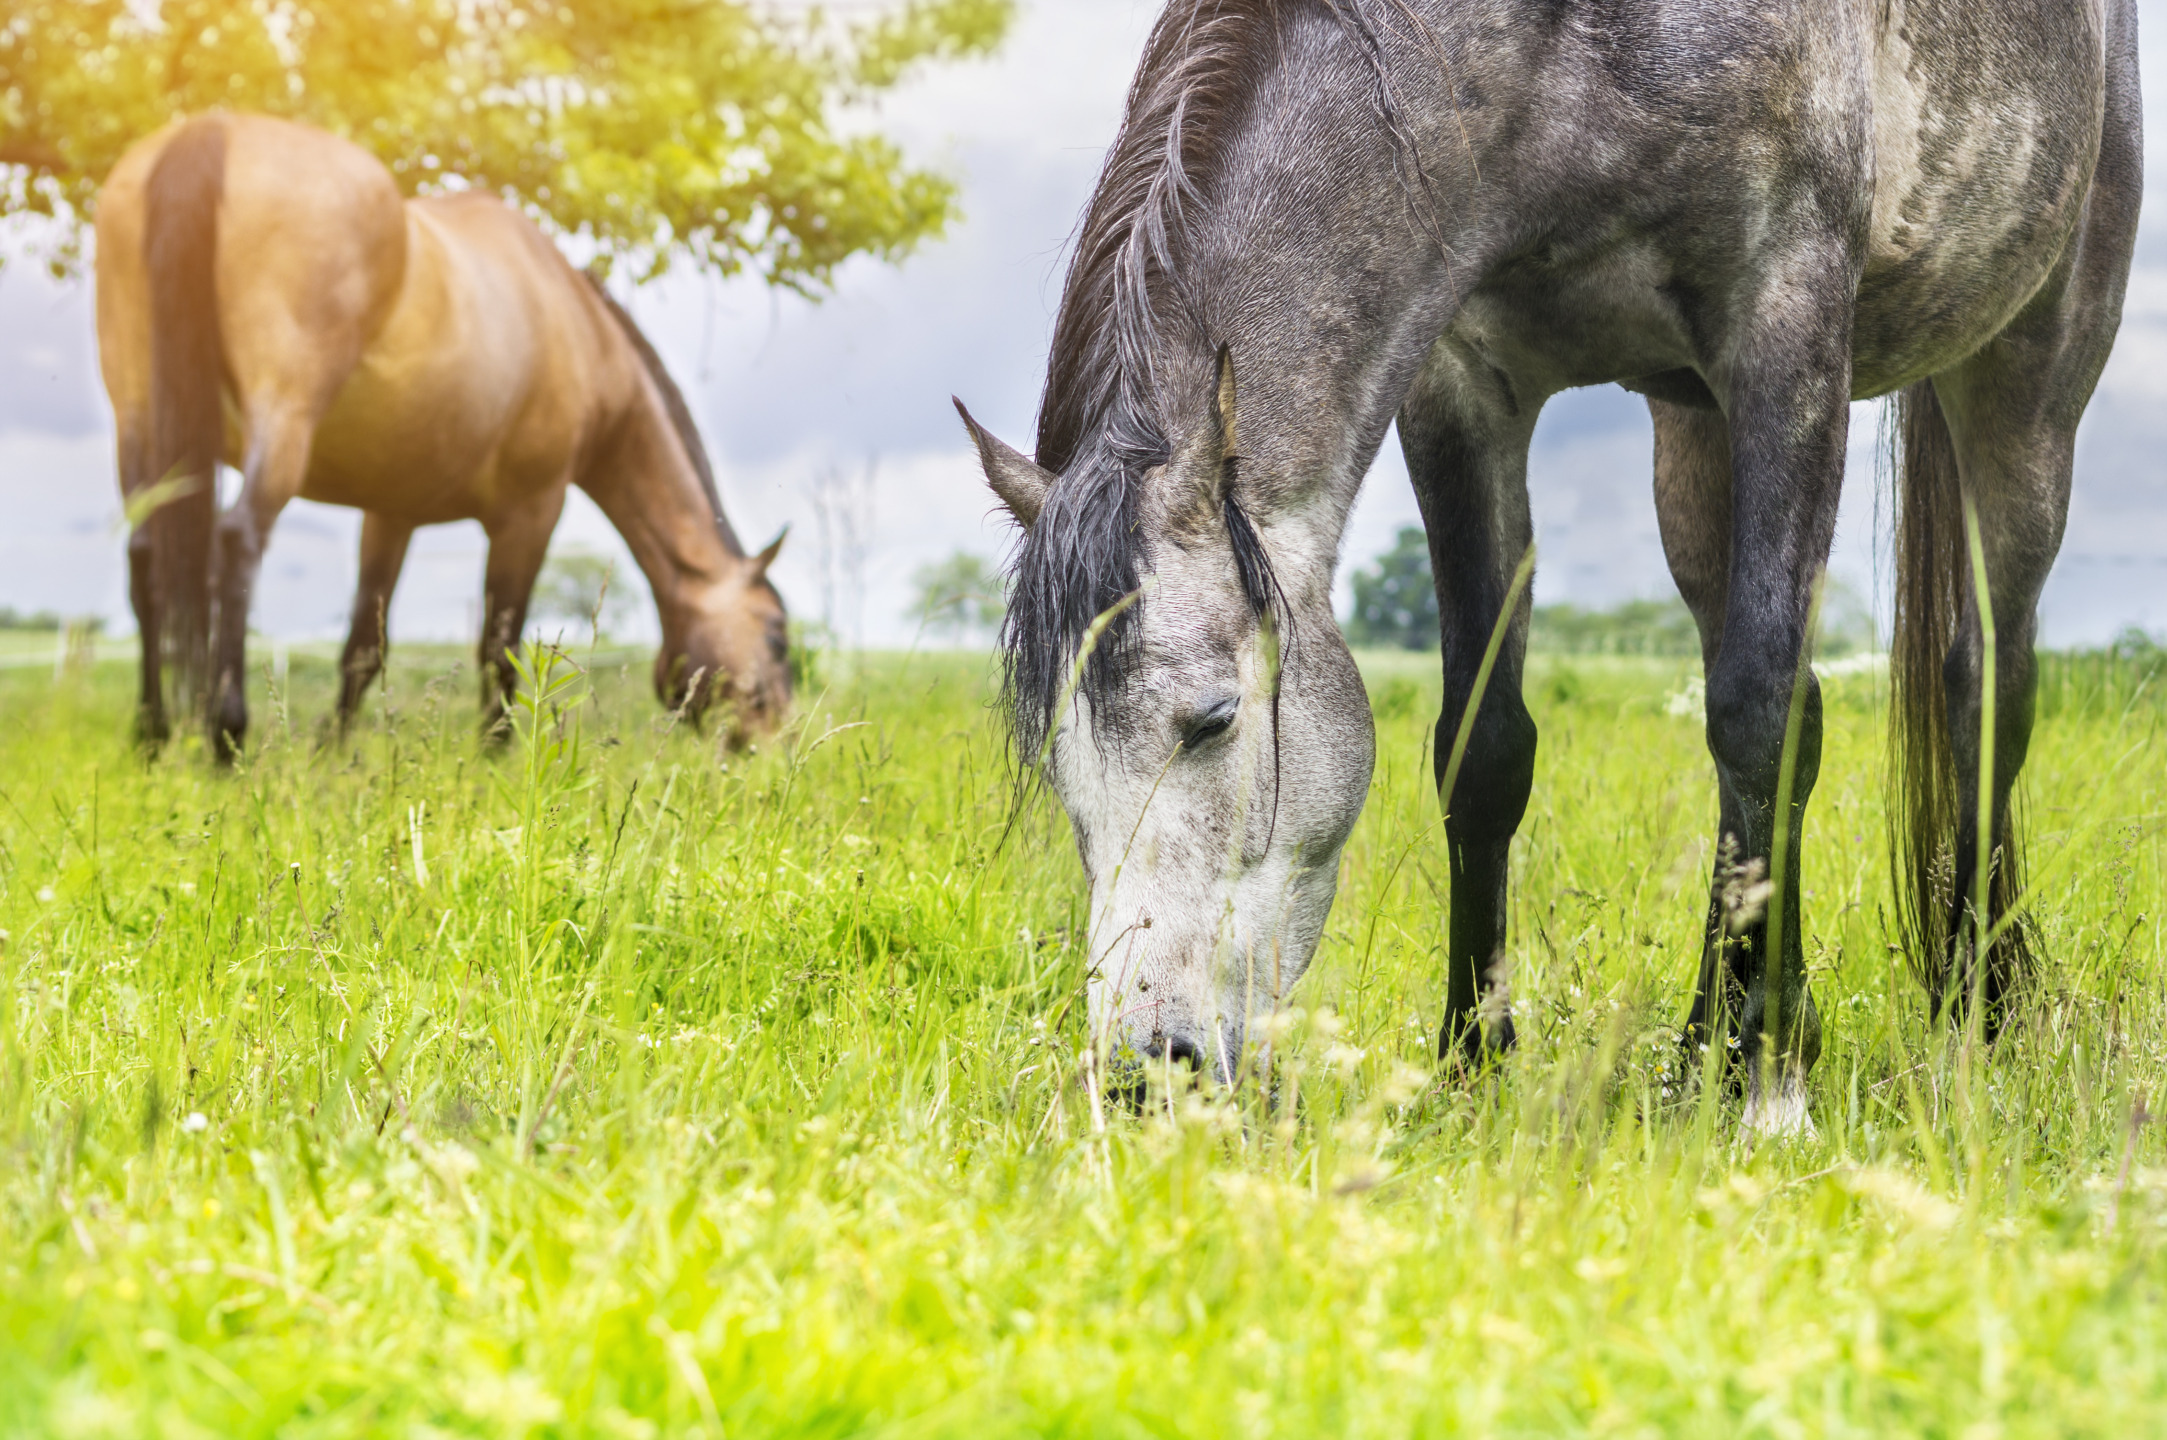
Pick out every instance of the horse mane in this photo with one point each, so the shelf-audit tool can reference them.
(1200, 65)
(1103, 417)
(673, 404)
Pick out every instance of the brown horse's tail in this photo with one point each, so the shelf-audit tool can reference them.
(1933, 569)
(188, 366)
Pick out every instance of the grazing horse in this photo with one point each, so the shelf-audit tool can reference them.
(266, 298)
(1447, 211)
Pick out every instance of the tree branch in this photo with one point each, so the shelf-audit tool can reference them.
(32, 155)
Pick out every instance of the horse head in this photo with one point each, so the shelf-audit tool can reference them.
(1205, 731)
(729, 650)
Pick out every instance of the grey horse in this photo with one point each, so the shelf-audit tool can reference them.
(1320, 215)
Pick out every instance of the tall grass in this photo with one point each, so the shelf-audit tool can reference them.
(599, 1087)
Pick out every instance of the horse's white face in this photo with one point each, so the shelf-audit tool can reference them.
(1212, 787)
(1207, 897)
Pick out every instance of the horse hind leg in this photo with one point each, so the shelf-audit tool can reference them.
(1466, 440)
(276, 462)
(151, 729)
(2022, 507)
(2007, 420)
(383, 556)
(2015, 472)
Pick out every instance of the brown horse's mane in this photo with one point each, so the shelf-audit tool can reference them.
(673, 402)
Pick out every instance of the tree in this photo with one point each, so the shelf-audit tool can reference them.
(958, 596)
(580, 586)
(1632, 627)
(1847, 621)
(1395, 601)
(649, 129)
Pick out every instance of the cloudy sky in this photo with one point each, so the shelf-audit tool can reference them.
(834, 418)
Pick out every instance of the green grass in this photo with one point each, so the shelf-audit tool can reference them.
(599, 1088)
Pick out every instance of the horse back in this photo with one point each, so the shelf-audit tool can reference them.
(1660, 180)
(489, 379)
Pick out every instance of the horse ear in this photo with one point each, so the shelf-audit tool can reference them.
(1018, 480)
(1208, 458)
(1222, 406)
(766, 557)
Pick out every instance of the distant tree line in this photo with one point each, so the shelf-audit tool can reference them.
(1637, 627)
(1395, 606)
(13, 619)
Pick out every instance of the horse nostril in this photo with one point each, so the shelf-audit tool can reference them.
(1176, 1047)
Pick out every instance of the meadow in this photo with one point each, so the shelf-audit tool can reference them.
(600, 1086)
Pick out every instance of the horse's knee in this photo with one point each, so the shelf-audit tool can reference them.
(358, 669)
(1497, 774)
(1749, 711)
(237, 544)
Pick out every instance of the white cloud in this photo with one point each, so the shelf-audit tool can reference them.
(786, 389)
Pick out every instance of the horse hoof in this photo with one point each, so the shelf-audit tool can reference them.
(1781, 1114)
(1474, 1048)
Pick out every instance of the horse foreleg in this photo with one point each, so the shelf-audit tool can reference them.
(276, 462)
(1789, 408)
(383, 555)
(518, 542)
(150, 712)
(1693, 511)
(1466, 443)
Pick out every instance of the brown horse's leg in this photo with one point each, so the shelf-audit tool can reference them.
(278, 454)
(383, 555)
(150, 714)
(151, 730)
(518, 541)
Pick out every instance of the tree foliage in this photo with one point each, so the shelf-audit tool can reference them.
(1395, 603)
(1632, 627)
(715, 130)
(581, 587)
(958, 596)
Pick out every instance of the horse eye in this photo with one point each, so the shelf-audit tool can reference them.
(1215, 721)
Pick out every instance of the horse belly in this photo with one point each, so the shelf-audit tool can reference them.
(412, 446)
(419, 429)
(1986, 127)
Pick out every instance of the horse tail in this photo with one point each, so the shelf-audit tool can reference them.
(188, 368)
(1933, 570)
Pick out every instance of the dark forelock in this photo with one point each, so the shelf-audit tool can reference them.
(1101, 421)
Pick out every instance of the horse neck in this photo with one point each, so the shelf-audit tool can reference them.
(1378, 252)
(646, 485)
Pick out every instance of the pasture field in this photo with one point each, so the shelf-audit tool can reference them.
(596, 1088)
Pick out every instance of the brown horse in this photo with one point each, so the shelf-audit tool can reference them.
(266, 298)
